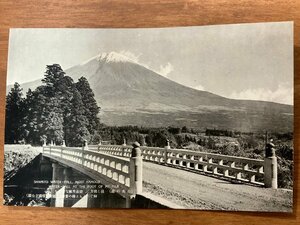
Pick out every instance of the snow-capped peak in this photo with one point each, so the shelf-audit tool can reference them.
(110, 57)
(113, 57)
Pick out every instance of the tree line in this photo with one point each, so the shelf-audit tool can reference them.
(57, 110)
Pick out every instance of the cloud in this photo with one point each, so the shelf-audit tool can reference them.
(199, 87)
(133, 57)
(130, 55)
(283, 94)
(165, 70)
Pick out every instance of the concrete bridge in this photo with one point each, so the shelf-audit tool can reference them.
(123, 165)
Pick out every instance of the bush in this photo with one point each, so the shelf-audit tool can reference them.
(285, 173)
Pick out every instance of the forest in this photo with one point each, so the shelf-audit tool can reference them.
(57, 110)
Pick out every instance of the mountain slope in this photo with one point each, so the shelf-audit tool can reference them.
(130, 93)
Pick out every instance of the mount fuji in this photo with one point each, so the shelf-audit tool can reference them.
(132, 94)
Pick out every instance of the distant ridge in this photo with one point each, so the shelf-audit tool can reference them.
(131, 94)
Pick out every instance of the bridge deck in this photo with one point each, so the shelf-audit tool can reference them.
(197, 191)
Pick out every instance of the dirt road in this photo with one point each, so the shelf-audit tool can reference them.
(196, 191)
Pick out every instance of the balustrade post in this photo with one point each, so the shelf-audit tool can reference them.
(123, 147)
(166, 156)
(192, 158)
(183, 160)
(168, 144)
(44, 144)
(270, 167)
(226, 173)
(82, 157)
(188, 164)
(135, 170)
(176, 157)
(85, 147)
(205, 166)
(252, 179)
(51, 144)
(167, 147)
(63, 143)
(100, 143)
(215, 170)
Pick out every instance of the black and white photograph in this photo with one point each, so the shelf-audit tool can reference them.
(198, 117)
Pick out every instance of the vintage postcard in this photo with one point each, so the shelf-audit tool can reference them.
(184, 117)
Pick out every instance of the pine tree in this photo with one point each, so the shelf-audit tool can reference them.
(59, 90)
(14, 115)
(53, 124)
(53, 75)
(37, 108)
(91, 109)
(29, 117)
(45, 107)
(76, 128)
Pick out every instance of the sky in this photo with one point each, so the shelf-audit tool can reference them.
(240, 61)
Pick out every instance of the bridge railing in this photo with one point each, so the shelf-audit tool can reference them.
(122, 171)
(255, 171)
(117, 150)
